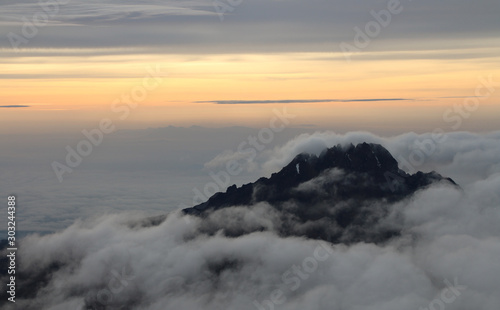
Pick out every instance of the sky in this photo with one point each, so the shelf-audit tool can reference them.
(67, 64)
(113, 111)
(166, 91)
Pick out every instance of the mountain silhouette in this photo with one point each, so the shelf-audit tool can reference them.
(341, 196)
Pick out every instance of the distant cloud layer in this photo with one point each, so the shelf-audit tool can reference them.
(14, 106)
(171, 162)
(446, 258)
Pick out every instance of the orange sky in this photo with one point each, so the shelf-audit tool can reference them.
(76, 91)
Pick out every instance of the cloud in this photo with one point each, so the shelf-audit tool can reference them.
(255, 26)
(114, 263)
(14, 106)
(172, 162)
(463, 156)
(109, 11)
(447, 253)
(117, 176)
(298, 101)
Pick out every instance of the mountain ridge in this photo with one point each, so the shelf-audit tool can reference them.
(343, 188)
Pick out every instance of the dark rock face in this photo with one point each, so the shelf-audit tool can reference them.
(341, 196)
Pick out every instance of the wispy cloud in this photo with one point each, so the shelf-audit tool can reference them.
(160, 24)
(460, 97)
(300, 101)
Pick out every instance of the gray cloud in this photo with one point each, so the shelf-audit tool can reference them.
(448, 234)
(118, 175)
(463, 156)
(299, 101)
(170, 162)
(14, 106)
(255, 26)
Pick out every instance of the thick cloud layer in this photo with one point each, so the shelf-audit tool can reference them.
(446, 257)
(249, 26)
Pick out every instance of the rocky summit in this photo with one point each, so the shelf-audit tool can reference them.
(341, 196)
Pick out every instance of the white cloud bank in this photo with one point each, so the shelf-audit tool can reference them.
(446, 257)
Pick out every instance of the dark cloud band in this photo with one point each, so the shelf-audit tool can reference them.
(14, 106)
(300, 101)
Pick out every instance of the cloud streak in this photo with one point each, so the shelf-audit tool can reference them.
(14, 106)
(300, 101)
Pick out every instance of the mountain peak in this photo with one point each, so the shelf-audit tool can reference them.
(340, 186)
